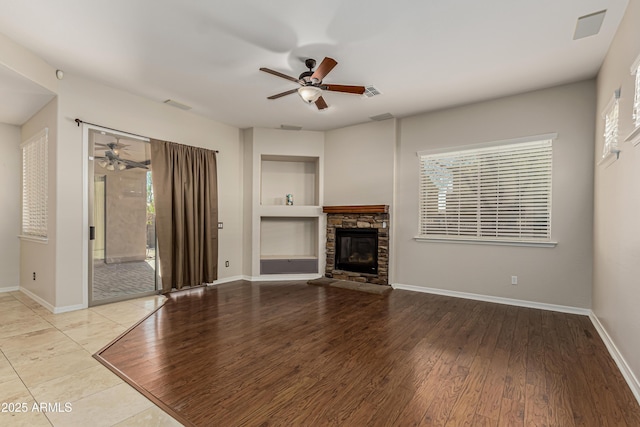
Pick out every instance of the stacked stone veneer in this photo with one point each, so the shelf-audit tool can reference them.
(379, 221)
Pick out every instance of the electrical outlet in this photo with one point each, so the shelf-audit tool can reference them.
(226, 263)
(34, 275)
(514, 280)
(220, 226)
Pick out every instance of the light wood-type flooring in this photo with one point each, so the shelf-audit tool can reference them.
(291, 354)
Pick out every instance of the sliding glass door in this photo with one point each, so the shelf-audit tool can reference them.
(122, 247)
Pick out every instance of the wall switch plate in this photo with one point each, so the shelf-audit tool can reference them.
(514, 280)
(220, 226)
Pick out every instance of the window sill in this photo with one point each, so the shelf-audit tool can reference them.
(487, 242)
(609, 158)
(634, 137)
(41, 240)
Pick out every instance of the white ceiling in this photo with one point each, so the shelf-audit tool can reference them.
(422, 55)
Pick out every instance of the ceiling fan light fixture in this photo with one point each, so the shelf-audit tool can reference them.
(103, 163)
(121, 166)
(309, 94)
(110, 167)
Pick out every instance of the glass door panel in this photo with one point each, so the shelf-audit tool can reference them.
(122, 214)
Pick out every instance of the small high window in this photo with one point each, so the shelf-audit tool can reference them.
(611, 116)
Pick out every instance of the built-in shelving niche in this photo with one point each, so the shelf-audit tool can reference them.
(288, 245)
(295, 175)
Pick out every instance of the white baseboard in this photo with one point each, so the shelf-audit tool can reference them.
(9, 289)
(39, 300)
(227, 280)
(498, 300)
(50, 307)
(624, 367)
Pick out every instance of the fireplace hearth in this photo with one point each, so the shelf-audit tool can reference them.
(358, 243)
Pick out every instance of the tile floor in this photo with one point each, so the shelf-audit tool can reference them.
(121, 279)
(45, 359)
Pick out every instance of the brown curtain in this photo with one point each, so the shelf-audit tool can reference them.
(186, 198)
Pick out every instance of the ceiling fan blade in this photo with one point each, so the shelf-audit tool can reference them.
(276, 73)
(323, 69)
(321, 103)
(344, 88)
(280, 95)
(133, 164)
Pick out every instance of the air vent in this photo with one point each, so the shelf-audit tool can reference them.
(370, 91)
(290, 127)
(381, 117)
(589, 25)
(177, 104)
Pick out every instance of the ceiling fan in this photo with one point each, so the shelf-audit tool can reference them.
(311, 85)
(112, 160)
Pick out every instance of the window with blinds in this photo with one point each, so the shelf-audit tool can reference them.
(497, 193)
(636, 96)
(35, 186)
(611, 117)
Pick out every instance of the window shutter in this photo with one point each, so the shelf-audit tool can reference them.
(493, 193)
(611, 117)
(35, 161)
(636, 98)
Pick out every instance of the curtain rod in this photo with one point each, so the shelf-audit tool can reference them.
(78, 121)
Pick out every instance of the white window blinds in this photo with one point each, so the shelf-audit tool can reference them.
(498, 193)
(636, 97)
(611, 116)
(35, 186)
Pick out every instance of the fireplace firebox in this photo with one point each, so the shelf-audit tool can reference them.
(357, 250)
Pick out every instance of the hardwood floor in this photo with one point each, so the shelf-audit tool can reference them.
(292, 354)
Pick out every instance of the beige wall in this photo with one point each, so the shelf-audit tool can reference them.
(93, 102)
(616, 289)
(359, 164)
(126, 215)
(36, 256)
(560, 275)
(10, 167)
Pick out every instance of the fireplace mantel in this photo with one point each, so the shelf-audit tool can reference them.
(356, 209)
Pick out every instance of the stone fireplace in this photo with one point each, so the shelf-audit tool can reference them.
(358, 243)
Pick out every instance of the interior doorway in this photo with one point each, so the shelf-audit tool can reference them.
(122, 242)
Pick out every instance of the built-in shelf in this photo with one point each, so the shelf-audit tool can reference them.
(287, 257)
(289, 266)
(294, 175)
(290, 211)
(288, 245)
(285, 239)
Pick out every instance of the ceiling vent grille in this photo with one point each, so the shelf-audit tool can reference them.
(381, 117)
(177, 104)
(290, 127)
(589, 25)
(370, 91)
